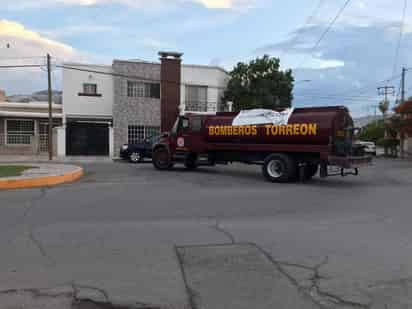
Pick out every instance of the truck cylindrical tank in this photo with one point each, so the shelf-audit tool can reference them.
(305, 126)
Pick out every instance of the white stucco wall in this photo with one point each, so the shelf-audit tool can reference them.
(87, 106)
(214, 78)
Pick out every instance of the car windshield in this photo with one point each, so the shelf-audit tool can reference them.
(154, 138)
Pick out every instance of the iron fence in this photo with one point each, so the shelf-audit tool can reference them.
(38, 143)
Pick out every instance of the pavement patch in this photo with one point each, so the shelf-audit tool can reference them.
(237, 276)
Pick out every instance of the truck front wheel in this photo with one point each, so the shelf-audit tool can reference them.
(279, 168)
(191, 161)
(161, 159)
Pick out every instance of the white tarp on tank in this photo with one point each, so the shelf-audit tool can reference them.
(262, 116)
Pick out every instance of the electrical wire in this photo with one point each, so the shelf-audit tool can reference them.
(401, 29)
(326, 31)
(135, 77)
(307, 22)
(21, 66)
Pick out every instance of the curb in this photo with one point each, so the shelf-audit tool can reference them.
(43, 181)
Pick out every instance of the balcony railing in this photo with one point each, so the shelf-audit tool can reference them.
(200, 106)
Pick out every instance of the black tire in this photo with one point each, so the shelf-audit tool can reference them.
(161, 159)
(279, 168)
(135, 157)
(311, 170)
(191, 161)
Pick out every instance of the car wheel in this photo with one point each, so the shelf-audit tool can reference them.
(279, 168)
(135, 157)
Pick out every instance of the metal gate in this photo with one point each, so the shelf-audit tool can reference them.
(87, 139)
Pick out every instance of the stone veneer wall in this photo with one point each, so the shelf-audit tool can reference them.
(133, 111)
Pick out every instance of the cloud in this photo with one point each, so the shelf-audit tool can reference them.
(348, 64)
(29, 47)
(78, 29)
(210, 4)
(154, 44)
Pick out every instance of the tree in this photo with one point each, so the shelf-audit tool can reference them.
(383, 107)
(373, 131)
(260, 84)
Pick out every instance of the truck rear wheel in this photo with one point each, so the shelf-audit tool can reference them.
(161, 159)
(310, 170)
(279, 168)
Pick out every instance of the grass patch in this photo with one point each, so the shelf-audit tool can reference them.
(13, 170)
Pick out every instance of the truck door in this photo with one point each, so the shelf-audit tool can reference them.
(189, 136)
(194, 140)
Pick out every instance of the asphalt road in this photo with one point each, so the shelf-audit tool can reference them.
(213, 238)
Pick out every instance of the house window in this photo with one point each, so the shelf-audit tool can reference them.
(138, 133)
(19, 132)
(140, 89)
(90, 89)
(151, 131)
(196, 98)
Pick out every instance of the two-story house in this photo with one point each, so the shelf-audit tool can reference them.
(107, 106)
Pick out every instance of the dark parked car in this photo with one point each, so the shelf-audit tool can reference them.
(136, 153)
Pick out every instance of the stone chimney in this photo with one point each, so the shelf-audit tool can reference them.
(2, 96)
(170, 79)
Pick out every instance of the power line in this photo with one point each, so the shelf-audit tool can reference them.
(398, 45)
(22, 58)
(135, 77)
(366, 88)
(324, 33)
(21, 66)
(307, 22)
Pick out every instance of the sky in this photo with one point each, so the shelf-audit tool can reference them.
(355, 56)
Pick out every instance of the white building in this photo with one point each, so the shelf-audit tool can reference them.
(202, 88)
(87, 94)
(90, 96)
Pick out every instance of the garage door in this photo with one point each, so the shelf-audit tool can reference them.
(87, 139)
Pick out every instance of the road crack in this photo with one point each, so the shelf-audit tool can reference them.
(322, 298)
(219, 227)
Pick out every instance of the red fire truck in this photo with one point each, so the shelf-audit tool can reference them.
(312, 139)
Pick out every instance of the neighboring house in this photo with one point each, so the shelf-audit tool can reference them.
(24, 127)
(87, 110)
(404, 112)
(107, 106)
(137, 105)
(202, 88)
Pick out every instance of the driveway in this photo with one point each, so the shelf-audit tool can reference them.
(213, 238)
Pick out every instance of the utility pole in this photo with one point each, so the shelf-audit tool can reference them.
(402, 101)
(386, 90)
(50, 133)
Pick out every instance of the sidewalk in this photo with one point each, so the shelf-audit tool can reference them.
(69, 159)
(41, 175)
